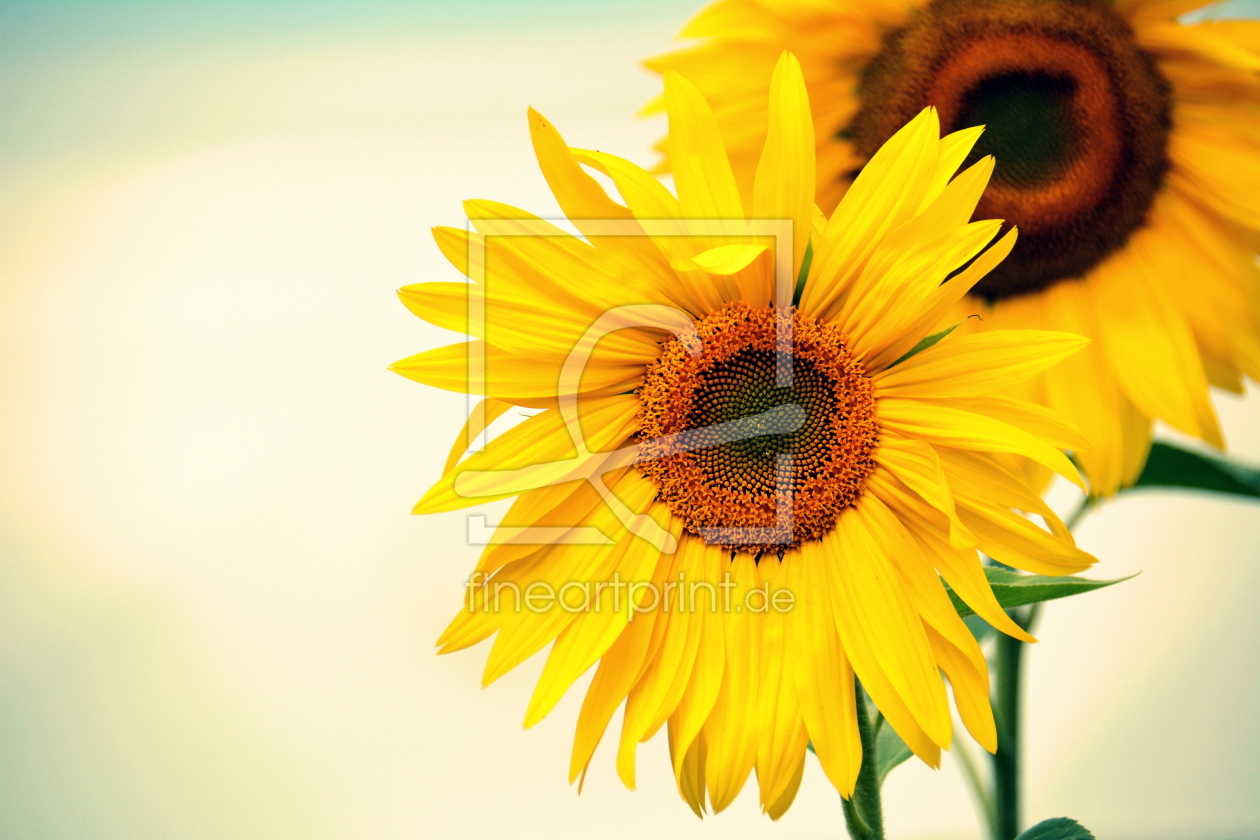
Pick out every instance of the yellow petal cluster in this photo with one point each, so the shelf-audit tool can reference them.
(738, 690)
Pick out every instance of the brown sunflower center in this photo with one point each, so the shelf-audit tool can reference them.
(761, 439)
(1075, 113)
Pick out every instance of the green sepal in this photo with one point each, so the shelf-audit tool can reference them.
(890, 750)
(926, 343)
(1015, 590)
(1174, 466)
(1059, 828)
(803, 275)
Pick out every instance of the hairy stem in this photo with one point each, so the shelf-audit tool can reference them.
(863, 812)
(1008, 662)
(975, 782)
(1003, 806)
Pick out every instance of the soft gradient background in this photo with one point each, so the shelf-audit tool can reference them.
(216, 616)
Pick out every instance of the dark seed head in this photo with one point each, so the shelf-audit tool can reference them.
(1076, 115)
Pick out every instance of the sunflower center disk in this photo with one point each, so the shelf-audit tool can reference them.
(1075, 113)
(1031, 127)
(760, 440)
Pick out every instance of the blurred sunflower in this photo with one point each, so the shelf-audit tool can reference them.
(1128, 154)
(707, 409)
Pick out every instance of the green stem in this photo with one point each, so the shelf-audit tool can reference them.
(1084, 506)
(863, 812)
(1008, 657)
(971, 774)
(1003, 807)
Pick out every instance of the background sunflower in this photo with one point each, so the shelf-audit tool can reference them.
(1128, 147)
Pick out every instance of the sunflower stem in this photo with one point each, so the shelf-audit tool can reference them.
(1003, 807)
(863, 812)
(1008, 663)
(1083, 507)
(971, 774)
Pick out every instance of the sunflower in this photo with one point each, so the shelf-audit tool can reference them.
(745, 501)
(1128, 154)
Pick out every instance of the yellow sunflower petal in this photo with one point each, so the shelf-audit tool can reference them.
(953, 152)
(660, 688)
(543, 439)
(508, 376)
(727, 259)
(1244, 33)
(532, 629)
(869, 209)
(777, 808)
(730, 731)
(483, 414)
(615, 676)
(915, 258)
(923, 587)
(918, 324)
(982, 476)
(1202, 43)
(1083, 388)
(649, 200)
(595, 629)
(1151, 348)
(781, 733)
(1043, 422)
(691, 781)
(917, 465)
(874, 614)
(970, 681)
(880, 319)
(939, 424)
(580, 196)
(960, 567)
(521, 324)
(784, 186)
(822, 674)
(702, 172)
(561, 508)
(1011, 539)
(977, 365)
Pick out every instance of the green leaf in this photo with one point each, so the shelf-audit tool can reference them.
(1059, 828)
(890, 750)
(926, 343)
(1015, 590)
(1170, 465)
(806, 262)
